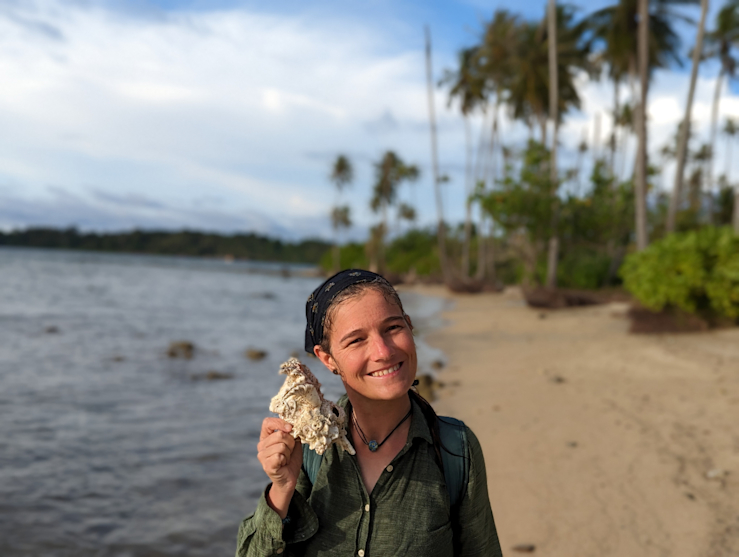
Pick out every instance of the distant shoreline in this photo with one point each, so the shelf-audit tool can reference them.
(185, 243)
(283, 268)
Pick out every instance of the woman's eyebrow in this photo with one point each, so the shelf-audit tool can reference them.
(384, 321)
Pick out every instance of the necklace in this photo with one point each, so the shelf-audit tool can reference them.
(372, 444)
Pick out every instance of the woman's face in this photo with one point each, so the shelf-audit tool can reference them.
(372, 347)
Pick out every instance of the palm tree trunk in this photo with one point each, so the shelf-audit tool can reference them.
(729, 142)
(481, 248)
(616, 110)
(714, 124)
(736, 211)
(596, 137)
(467, 202)
(640, 185)
(383, 236)
(336, 257)
(441, 227)
(682, 146)
(553, 254)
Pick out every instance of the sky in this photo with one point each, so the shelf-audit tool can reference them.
(226, 115)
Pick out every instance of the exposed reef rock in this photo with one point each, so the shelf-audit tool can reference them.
(255, 355)
(181, 349)
(315, 420)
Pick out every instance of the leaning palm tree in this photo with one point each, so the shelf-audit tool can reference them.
(342, 175)
(720, 44)
(682, 146)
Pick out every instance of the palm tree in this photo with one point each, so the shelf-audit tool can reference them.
(720, 42)
(438, 178)
(469, 85)
(553, 254)
(342, 175)
(527, 92)
(623, 120)
(637, 37)
(390, 172)
(640, 178)
(685, 131)
(731, 128)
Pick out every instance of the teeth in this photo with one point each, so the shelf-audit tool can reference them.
(385, 371)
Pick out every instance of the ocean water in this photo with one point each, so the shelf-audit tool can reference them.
(108, 447)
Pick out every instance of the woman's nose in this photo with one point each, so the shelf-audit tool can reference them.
(382, 348)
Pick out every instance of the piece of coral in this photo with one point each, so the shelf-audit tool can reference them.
(315, 420)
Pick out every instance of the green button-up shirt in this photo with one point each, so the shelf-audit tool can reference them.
(407, 514)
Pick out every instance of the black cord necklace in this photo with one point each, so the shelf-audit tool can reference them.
(372, 444)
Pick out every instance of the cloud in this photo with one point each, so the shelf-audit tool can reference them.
(161, 110)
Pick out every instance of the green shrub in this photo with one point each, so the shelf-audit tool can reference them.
(695, 271)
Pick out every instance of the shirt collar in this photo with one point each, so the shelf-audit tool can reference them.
(419, 425)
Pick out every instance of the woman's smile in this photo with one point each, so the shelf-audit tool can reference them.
(391, 371)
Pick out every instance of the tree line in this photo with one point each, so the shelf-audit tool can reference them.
(242, 246)
(533, 207)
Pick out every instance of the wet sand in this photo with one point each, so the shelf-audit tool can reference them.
(597, 442)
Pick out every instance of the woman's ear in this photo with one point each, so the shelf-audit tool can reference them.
(325, 358)
(408, 320)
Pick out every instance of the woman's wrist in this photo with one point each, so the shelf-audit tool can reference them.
(278, 499)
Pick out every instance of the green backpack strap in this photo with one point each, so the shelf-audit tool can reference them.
(455, 456)
(311, 463)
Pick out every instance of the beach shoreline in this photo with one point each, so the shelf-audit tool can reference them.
(597, 442)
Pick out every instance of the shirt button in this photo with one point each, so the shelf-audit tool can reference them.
(360, 553)
(366, 507)
(389, 468)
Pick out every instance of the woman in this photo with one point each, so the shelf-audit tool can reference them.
(391, 498)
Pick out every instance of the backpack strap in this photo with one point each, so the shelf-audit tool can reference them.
(455, 456)
(311, 463)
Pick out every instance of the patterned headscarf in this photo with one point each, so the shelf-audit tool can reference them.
(321, 298)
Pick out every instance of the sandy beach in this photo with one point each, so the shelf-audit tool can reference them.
(597, 442)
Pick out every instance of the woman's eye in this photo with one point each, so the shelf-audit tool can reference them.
(353, 341)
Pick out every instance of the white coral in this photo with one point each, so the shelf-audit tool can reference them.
(315, 420)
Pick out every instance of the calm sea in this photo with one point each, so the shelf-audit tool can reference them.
(108, 447)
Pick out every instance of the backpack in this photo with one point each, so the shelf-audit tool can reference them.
(455, 460)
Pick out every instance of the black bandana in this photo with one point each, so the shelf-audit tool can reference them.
(319, 301)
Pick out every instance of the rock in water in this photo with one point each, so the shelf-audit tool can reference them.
(315, 420)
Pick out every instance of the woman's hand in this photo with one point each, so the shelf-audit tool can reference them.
(281, 457)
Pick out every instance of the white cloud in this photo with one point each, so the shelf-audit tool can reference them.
(246, 107)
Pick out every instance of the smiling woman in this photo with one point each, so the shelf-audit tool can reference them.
(408, 490)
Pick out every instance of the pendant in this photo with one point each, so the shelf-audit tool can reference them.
(373, 446)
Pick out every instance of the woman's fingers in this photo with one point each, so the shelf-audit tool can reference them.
(269, 425)
(274, 457)
(274, 438)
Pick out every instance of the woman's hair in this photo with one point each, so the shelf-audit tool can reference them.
(391, 296)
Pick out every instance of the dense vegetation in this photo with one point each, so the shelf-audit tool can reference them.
(696, 272)
(551, 212)
(243, 246)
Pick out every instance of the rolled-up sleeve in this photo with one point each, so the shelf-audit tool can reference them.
(261, 534)
(477, 532)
